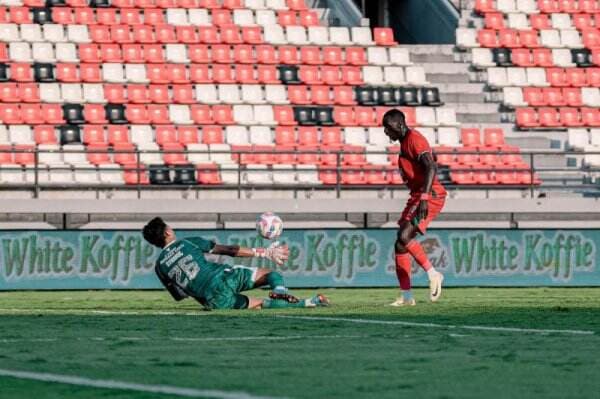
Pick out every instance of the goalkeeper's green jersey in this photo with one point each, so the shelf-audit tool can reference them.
(184, 264)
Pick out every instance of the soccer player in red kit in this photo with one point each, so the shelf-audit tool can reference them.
(427, 197)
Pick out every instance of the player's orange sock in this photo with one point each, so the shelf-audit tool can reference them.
(417, 252)
(403, 270)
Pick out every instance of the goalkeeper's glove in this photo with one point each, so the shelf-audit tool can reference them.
(274, 252)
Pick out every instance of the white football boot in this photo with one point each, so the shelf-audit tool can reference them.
(435, 286)
(401, 302)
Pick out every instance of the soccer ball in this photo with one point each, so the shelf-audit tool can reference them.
(269, 225)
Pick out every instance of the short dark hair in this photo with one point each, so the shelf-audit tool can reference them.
(393, 114)
(154, 232)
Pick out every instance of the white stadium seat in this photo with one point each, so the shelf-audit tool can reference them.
(513, 97)
(527, 6)
(340, 36)
(253, 94)
(257, 174)
(72, 93)
(550, 38)
(113, 73)
(31, 33)
(318, 35)
(86, 176)
(446, 117)
(19, 52)
(590, 96)
(207, 94)
(111, 174)
(307, 174)
(260, 135)
(570, 38)
(276, 94)
(516, 77)
(595, 137)
(243, 114)
(237, 135)
(394, 75)
(263, 114)
(177, 16)
(561, 57)
(149, 153)
(376, 155)
(377, 56)
(266, 18)
(141, 134)
(276, 4)
(377, 136)
(20, 134)
(362, 36)
(518, 21)
(180, 114)
(373, 75)
(43, 52)
(578, 139)
(466, 38)
(506, 6)
(425, 116)
(537, 77)
(136, 73)
(198, 153)
(49, 154)
(415, 75)
(243, 17)
(9, 33)
(74, 154)
(229, 94)
(199, 17)
(274, 34)
(355, 136)
(561, 21)
(78, 34)
(66, 52)
(255, 4)
(284, 174)
(399, 56)
(448, 136)
(50, 93)
(58, 174)
(482, 58)
(54, 33)
(221, 154)
(296, 35)
(429, 134)
(496, 77)
(176, 53)
(93, 93)
(592, 159)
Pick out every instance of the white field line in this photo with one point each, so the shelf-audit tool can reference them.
(102, 312)
(129, 386)
(186, 339)
(446, 326)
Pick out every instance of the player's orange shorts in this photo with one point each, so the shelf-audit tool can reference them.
(434, 207)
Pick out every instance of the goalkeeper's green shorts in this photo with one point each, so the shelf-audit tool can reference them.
(224, 291)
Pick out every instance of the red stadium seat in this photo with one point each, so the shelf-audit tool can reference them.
(311, 55)
(77, 3)
(549, 117)
(343, 95)
(221, 53)
(166, 3)
(529, 38)
(309, 18)
(3, 52)
(527, 117)
(187, 135)
(159, 94)
(484, 6)
(99, 33)
(548, 6)
(308, 154)
(286, 18)
(244, 54)
(201, 114)
(20, 72)
(115, 93)
(154, 16)
(44, 134)
(330, 75)
(137, 114)
(534, 96)
(9, 92)
(298, 5)
(593, 76)
(576, 77)
(94, 113)
(137, 93)
(572, 96)
(157, 73)
(590, 117)
(143, 33)
(284, 115)
(467, 156)
(97, 154)
(173, 154)
(124, 154)
(522, 57)
(223, 115)
(596, 56)
(212, 135)
(186, 34)
(588, 6)
(199, 53)
(89, 53)
(252, 34)
(568, 6)
(267, 74)
(487, 38)
(286, 136)
(133, 53)
(233, 4)
(221, 17)
(83, 16)
(208, 34)
(556, 77)
(583, 21)
(62, 15)
(107, 16)
(154, 53)
(285, 155)
(570, 117)
(165, 34)
(263, 154)
(356, 56)
(553, 97)
(266, 54)
(494, 20)
(130, 16)
(109, 53)
(231, 34)
(470, 137)
(208, 174)
(331, 137)
(158, 114)
(298, 95)
(20, 15)
(344, 116)
(245, 74)
(177, 73)
(121, 34)
(509, 38)
(289, 55)
(25, 154)
(365, 116)
(29, 92)
(310, 75)
(93, 134)
(384, 37)
(132, 174)
(333, 56)
(223, 73)
(542, 57)
(591, 38)
(52, 113)
(308, 136)
(540, 21)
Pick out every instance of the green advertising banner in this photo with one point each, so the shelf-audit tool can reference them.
(323, 258)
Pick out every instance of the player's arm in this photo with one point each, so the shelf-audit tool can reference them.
(430, 169)
(275, 252)
(177, 293)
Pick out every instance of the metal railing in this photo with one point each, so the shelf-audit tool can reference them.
(332, 170)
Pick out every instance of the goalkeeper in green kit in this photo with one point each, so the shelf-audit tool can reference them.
(185, 272)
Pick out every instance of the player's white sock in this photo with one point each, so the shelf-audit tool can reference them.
(407, 295)
(431, 272)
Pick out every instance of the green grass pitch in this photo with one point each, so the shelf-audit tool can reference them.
(146, 338)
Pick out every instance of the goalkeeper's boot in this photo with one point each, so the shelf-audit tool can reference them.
(435, 286)
(284, 294)
(403, 302)
(319, 300)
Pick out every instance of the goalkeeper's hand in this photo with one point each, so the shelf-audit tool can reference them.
(274, 252)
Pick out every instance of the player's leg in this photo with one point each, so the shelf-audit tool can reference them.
(266, 276)
(403, 263)
(407, 234)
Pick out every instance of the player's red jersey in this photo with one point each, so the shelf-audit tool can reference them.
(413, 173)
